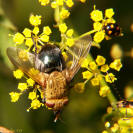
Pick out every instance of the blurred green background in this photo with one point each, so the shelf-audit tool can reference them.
(85, 111)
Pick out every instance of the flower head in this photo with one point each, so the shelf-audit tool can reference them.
(35, 20)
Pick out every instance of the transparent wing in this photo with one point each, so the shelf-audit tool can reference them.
(77, 53)
(26, 62)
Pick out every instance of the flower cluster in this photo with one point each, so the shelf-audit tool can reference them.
(32, 37)
(22, 87)
(100, 21)
(95, 76)
(56, 3)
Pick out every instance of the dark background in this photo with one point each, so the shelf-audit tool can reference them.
(85, 111)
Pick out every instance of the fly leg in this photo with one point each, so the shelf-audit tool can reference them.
(57, 115)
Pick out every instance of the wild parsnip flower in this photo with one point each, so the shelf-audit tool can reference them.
(100, 60)
(69, 32)
(107, 124)
(14, 96)
(35, 20)
(35, 104)
(64, 14)
(62, 28)
(30, 82)
(29, 37)
(22, 86)
(110, 77)
(18, 74)
(104, 90)
(96, 70)
(32, 95)
(79, 87)
(70, 42)
(116, 65)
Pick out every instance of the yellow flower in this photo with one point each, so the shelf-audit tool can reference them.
(47, 30)
(60, 2)
(100, 60)
(87, 75)
(14, 96)
(110, 77)
(27, 32)
(109, 13)
(44, 2)
(18, 38)
(110, 20)
(54, 4)
(104, 68)
(83, 1)
(35, 104)
(30, 82)
(44, 38)
(36, 30)
(104, 90)
(35, 20)
(22, 86)
(29, 42)
(62, 28)
(97, 26)
(69, 3)
(64, 14)
(79, 87)
(105, 131)
(99, 36)
(18, 74)
(96, 15)
(69, 33)
(95, 81)
(92, 65)
(70, 42)
(32, 95)
(85, 63)
(116, 64)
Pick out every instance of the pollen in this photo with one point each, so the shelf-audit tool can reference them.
(18, 38)
(35, 20)
(18, 74)
(14, 96)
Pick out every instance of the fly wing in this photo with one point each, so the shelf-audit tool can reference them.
(77, 53)
(26, 62)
